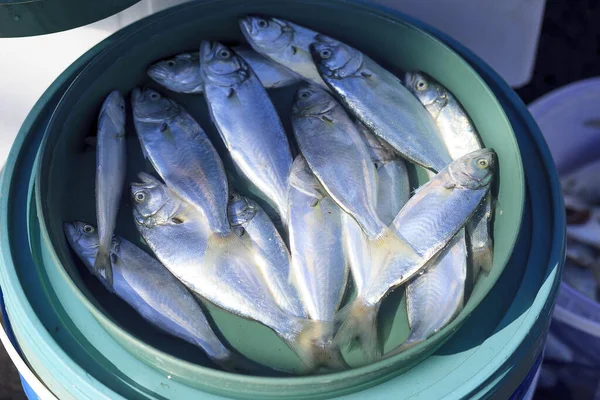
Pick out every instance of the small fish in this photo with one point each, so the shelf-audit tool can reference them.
(183, 155)
(110, 176)
(319, 265)
(435, 297)
(427, 223)
(337, 155)
(581, 254)
(460, 137)
(381, 102)
(248, 219)
(247, 122)
(181, 73)
(587, 232)
(221, 270)
(283, 42)
(137, 276)
(584, 184)
(393, 186)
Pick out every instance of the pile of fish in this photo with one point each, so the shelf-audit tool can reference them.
(339, 186)
(581, 190)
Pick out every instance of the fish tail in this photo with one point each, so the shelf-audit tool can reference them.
(103, 265)
(483, 258)
(358, 326)
(313, 344)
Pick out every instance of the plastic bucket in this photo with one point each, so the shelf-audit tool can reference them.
(574, 353)
(491, 354)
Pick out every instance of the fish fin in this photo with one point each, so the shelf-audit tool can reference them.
(366, 74)
(103, 265)
(484, 258)
(225, 246)
(393, 243)
(358, 325)
(230, 92)
(294, 49)
(91, 141)
(313, 344)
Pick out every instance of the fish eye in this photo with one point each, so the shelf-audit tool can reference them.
(422, 85)
(224, 54)
(262, 23)
(482, 162)
(171, 63)
(154, 96)
(304, 95)
(88, 229)
(325, 54)
(140, 197)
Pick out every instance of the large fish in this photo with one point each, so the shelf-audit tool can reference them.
(247, 121)
(380, 101)
(319, 265)
(249, 220)
(460, 137)
(110, 176)
(182, 155)
(283, 42)
(137, 277)
(218, 269)
(427, 223)
(338, 156)
(181, 73)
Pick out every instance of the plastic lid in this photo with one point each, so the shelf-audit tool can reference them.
(38, 17)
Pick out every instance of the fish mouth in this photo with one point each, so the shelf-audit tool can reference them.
(207, 48)
(157, 71)
(247, 26)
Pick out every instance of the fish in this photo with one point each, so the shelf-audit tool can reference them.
(337, 155)
(393, 186)
(137, 275)
(380, 101)
(319, 267)
(581, 254)
(283, 42)
(460, 137)
(220, 270)
(183, 155)
(181, 73)
(427, 223)
(247, 122)
(587, 232)
(583, 280)
(247, 218)
(583, 184)
(111, 157)
(435, 297)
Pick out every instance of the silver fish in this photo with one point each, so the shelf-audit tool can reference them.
(381, 102)
(436, 296)
(584, 184)
(110, 176)
(393, 186)
(588, 230)
(430, 219)
(182, 155)
(337, 155)
(319, 266)
(283, 42)
(581, 254)
(219, 269)
(460, 137)
(137, 276)
(247, 122)
(249, 219)
(181, 73)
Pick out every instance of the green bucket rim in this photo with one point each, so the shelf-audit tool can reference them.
(370, 369)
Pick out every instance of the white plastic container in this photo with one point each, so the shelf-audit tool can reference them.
(568, 117)
(503, 33)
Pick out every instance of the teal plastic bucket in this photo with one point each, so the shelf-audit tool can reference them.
(491, 354)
